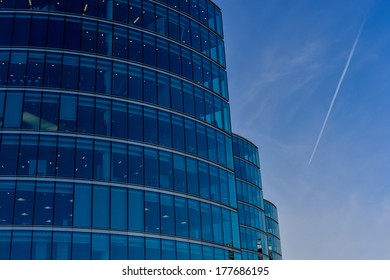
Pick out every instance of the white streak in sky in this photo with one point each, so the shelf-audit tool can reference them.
(337, 90)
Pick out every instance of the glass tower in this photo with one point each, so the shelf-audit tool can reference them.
(115, 135)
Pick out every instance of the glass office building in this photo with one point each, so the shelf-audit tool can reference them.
(115, 135)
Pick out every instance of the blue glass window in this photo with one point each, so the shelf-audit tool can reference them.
(178, 133)
(181, 216)
(9, 154)
(166, 170)
(65, 157)
(136, 210)
(149, 49)
(118, 206)
(153, 248)
(179, 172)
(81, 246)
(44, 198)
(151, 167)
(204, 182)
(135, 16)
(100, 246)
(167, 214)
(87, 74)
(227, 227)
(103, 76)
(208, 253)
(185, 30)
(196, 252)
(190, 134)
(176, 94)
(13, 110)
(118, 247)
(24, 203)
(82, 205)
(22, 25)
(103, 117)
(50, 112)
(119, 162)
(168, 249)
(162, 54)
(72, 34)
(104, 40)
(149, 85)
(84, 156)
(119, 119)
(135, 45)
(88, 36)
(119, 79)
(199, 103)
(150, 126)
(174, 58)
(63, 211)
(101, 207)
(121, 8)
(21, 245)
(194, 219)
(27, 164)
(41, 246)
(6, 21)
(61, 249)
(164, 127)
(188, 99)
(68, 107)
(152, 212)
(214, 184)
(207, 225)
(38, 28)
(201, 140)
(182, 250)
(120, 42)
(7, 196)
(55, 32)
(85, 114)
(136, 248)
(136, 165)
(192, 176)
(186, 63)
(70, 72)
(173, 24)
(217, 224)
(135, 83)
(161, 20)
(163, 94)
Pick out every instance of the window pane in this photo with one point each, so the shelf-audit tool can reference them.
(41, 246)
(136, 210)
(81, 246)
(100, 246)
(61, 249)
(152, 212)
(101, 207)
(118, 205)
(24, 204)
(21, 245)
(181, 210)
(167, 215)
(44, 198)
(82, 205)
(136, 248)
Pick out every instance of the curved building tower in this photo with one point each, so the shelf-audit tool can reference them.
(115, 135)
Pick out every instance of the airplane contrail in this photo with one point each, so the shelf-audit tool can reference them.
(337, 90)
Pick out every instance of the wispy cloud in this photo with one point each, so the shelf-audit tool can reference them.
(337, 90)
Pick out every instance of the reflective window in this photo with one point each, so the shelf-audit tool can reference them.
(44, 199)
(82, 205)
(101, 207)
(167, 214)
(152, 210)
(21, 245)
(100, 246)
(136, 248)
(61, 247)
(118, 248)
(81, 246)
(118, 204)
(41, 245)
(136, 210)
(181, 210)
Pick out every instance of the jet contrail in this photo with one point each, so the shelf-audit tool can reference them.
(337, 90)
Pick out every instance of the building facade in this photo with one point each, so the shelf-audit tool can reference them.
(115, 135)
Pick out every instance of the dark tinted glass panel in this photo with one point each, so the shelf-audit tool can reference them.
(38, 30)
(81, 246)
(194, 219)
(179, 173)
(101, 207)
(166, 170)
(100, 246)
(82, 205)
(118, 247)
(72, 36)
(6, 21)
(118, 206)
(65, 157)
(21, 245)
(119, 162)
(7, 197)
(167, 214)
(61, 248)
(181, 216)
(22, 26)
(44, 199)
(55, 33)
(136, 248)
(151, 167)
(41, 246)
(136, 210)
(63, 201)
(153, 249)
(164, 127)
(152, 212)
(136, 165)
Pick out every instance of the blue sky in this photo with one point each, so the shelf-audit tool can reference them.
(285, 59)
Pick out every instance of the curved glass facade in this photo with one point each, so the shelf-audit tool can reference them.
(115, 134)
(272, 224)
